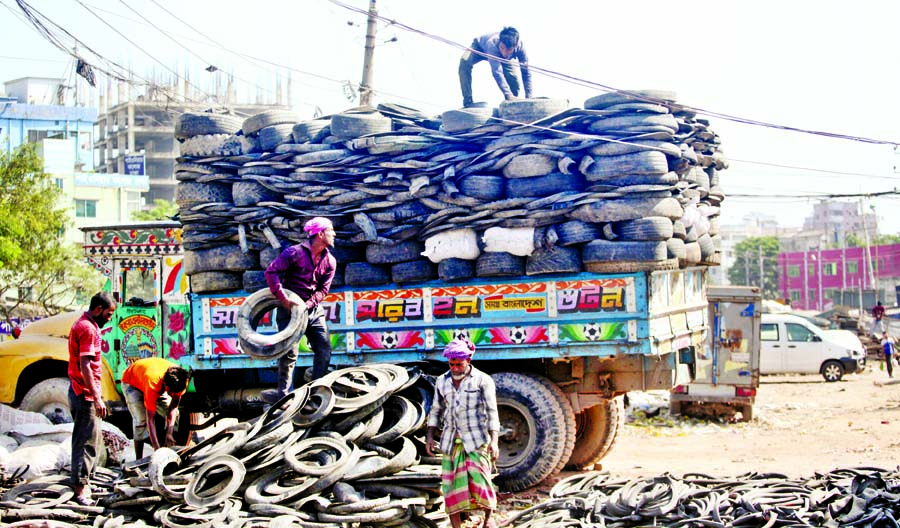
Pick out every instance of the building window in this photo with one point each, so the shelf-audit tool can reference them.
(795, 295)
(793, 271)
(829, 268)
(811, 269)
(812, 296)
(830, 293)
(853, 267)
(86, 208)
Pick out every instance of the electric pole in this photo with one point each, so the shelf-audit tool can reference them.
(365, 87)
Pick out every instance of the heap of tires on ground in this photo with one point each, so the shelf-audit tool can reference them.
(844, 497)
(630, 182)
(347, 448)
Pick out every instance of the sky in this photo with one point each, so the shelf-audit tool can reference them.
(830, 66)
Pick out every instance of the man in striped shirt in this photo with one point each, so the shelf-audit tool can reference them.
(465, 403)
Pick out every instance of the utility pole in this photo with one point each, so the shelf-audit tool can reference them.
(762, 278)
(365, 86)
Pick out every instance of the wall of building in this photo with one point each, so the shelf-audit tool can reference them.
(813, 278)
(24, 123)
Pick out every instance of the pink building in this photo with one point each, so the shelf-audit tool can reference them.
(816, 279)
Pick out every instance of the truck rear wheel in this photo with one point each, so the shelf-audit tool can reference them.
(597, 428)
(50, 398)
(531, 415)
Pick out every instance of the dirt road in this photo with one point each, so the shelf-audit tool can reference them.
(802, 425)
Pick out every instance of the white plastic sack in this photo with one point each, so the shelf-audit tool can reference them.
(10, 418)
(48, 432)
(458, 243)
(40, 459)
(8, 443)
(691, 214)
(517, 241)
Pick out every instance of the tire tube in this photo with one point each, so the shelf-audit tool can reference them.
(269, 346)
(198, 498)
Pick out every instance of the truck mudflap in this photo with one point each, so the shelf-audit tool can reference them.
(581, 316)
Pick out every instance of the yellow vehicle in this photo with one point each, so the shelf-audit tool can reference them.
(34, 370)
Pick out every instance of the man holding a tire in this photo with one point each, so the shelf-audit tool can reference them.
(85, 395)
(465, 403)
(153, 386)
(306, 269)
(498, 49)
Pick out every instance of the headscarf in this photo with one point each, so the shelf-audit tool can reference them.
(459, 348)
(317, 225)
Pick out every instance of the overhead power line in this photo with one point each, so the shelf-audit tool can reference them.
(587, 83)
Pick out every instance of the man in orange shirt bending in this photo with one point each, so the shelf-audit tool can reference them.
(153, 386)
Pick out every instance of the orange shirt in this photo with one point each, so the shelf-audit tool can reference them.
(146, 375)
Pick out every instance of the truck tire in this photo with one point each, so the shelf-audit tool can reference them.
(402, 252)
(269, 118)
(190, 193)
(190, 124)
(214, 281)
(456, 269)
(50, 398)
(597, 428)
(482, 187)
(540, 186)
(357, 124)
(531, 110)
(500, 264)
(365, 274)
(414, 271)
(269, 346)
(222, 258)
(532, 448)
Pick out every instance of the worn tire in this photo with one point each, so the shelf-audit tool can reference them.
(692, 253)
(628, 209)
(50, 398)
(554, 260)
(456, 269)
(354, 125)
(306, 131)
(613, 124)
(465, 118)
(365, 274)
(531, 110)
(543, 185)
(414, 271)
(254, 124)
(482, 187)
(266, 256)
(596, 433)
(402, 252)
(707, 247)
(577, 232)
(215, 281)
(606, 100)
(529, 166)
(533, 449)
(222, 258)
(190, 124)
(500, 264)
(647, 162)
(250, 193)
(269, 346)
(606, 251)
(675, 249)
(651, 228)
(191, 193)
(272, 136)
(254, 280)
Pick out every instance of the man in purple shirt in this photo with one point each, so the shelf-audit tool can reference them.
(498, 49)
(306, 269)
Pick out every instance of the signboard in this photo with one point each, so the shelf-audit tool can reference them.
(134, 164)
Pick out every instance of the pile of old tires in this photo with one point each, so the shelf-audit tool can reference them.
(345, 449)
(630, 182)
(863, 496)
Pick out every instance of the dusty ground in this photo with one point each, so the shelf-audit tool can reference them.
(802, 425)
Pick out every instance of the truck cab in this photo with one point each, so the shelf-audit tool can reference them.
(791, 344)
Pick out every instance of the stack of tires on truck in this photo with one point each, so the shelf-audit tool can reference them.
(625, 189)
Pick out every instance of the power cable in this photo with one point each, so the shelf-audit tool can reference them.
(584, 82)
(31, 59)
(826, 171)
(145, 52)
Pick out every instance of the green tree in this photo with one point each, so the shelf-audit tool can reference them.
(161, 210)
(33, 259)
(752, 256)
(854, 240)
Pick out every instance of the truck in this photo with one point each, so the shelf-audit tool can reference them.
(726, 372)
(562, 349)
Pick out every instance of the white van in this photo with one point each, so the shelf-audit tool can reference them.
(791, 344)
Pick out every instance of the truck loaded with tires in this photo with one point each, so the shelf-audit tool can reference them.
(571, 252)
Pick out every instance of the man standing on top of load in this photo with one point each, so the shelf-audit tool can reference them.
(306, 269)
(498, 49)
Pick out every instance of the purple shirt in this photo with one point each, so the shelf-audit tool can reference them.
(295, 270)
(490, 45)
